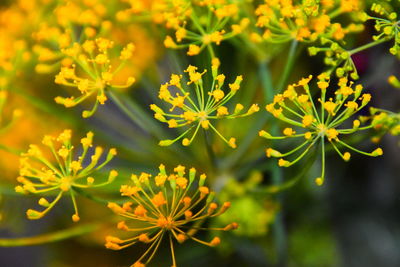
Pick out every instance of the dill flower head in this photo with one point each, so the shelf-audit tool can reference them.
(95, 72)
(297, 108)
(200, 109)
(383, 121)
(67, 23)
(72, 38)
(171, 206)
(304, 21)
(387, 25)
(196, 24)
(62, 174)
(340, 60)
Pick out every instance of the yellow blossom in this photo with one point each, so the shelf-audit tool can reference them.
(174, 211)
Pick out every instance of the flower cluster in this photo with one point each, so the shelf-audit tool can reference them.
(208, 25)
(304, 21)
(63, 174)
(196, 24)
(384, 121)
(388, 26)
(95, 74)
(337, 58)
(166, 206)
(340, 60)
(69, 23)
(296, 107)
(197, 111)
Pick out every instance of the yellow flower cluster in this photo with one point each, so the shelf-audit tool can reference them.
(95, 74)
(69, 23)
(64, 173)
(297, 108)
(304, 21)
(171, 206)
(340, 60)
(196, 24)
(198, 35)
(206, 105)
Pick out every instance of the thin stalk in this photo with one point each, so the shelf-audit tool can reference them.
(268, 89)
(87, 195)
(134, 117)
(210, 151)
(50, 237)
(280, 236)
(288, 67)
(366, 46)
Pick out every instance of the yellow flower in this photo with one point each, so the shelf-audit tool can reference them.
(185, 19)
(168, 206)
(304, 21)
(205, 107)
(39, 175)
(97, 78)
(317, 126)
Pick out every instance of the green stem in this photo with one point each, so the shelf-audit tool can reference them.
(50, 237)
(278, 227)
(127, 111)
(268, 89)
(266, 82)
(366, 46)
(141, 120)
(273, 189)
(210, 151)
(288, 67)
(11, 150)
(211, 51)
(95, 198)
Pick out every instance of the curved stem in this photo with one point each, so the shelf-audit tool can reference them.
(50, 237)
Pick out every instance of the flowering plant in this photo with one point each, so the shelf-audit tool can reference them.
(180, 83)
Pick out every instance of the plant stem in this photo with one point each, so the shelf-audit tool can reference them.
(269, 92)
(280, 236)
(136, 118)
(50, 237)
(288, 67)
(278, 227)
(266, 82)
(210, 151)
(11, 150)
(95, 198)
(366, 46)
